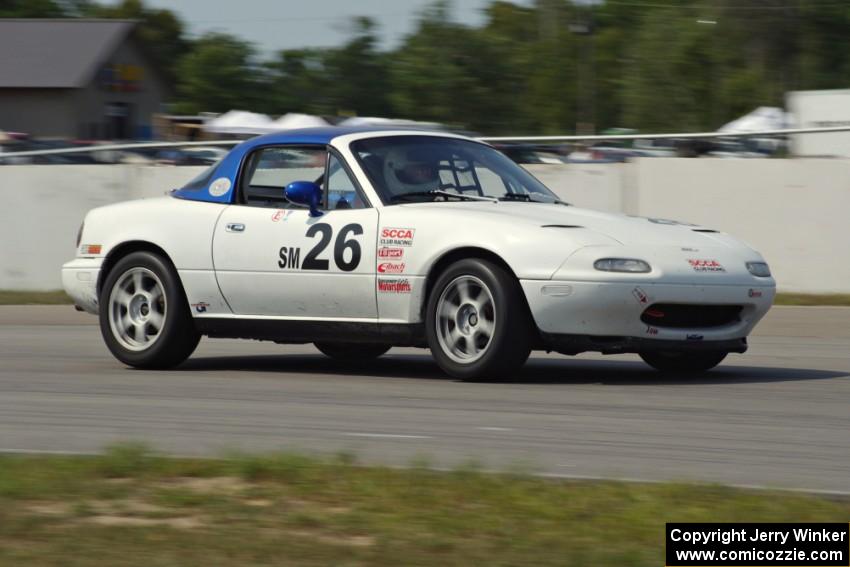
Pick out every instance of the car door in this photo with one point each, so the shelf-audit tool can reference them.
(274, 259)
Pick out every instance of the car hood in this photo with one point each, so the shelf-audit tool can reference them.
(625, 229)
(678, 252)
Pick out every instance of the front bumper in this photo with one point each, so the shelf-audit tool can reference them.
(79, 278)
(600, 312)
(575, 344)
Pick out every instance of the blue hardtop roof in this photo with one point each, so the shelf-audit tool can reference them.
(216, 185)
(324, 134)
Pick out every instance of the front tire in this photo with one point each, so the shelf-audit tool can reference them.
(477, 323)
(352, 352)
(144, 316)
(685, 362)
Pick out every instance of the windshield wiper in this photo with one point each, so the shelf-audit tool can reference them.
(525, 197)
(441, 193)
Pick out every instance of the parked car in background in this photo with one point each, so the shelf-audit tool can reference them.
(529, 154)
(202, 155)
(28, 145)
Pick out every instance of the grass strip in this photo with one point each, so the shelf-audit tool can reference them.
(837, 299)
(20, 297)
(131, 507)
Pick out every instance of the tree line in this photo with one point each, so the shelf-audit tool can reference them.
(555, 66)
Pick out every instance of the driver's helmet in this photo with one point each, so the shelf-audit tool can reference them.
(407, 170)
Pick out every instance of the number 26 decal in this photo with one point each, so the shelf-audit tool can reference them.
(290, 256)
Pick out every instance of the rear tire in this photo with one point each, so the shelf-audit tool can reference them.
(352, 352)
(144, 316)
(476, 321)
(686, 362)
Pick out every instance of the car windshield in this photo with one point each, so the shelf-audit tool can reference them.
(406, 169)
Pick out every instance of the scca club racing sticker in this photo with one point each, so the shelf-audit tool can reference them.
(396, 237)
(220, 186)
(400, 285)
(706, 265)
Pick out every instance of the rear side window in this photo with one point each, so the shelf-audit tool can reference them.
(203, 180)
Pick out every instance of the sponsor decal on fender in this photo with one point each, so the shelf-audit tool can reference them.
(390, 252)
(201, 307)
(401, 285)
(694, 337)
(700, 265)
(640, 295)
(391, 267)
(651, 331)
(396, 237)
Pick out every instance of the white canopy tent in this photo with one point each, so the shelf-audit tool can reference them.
(378, 121)
(761, 119)
(294, 120)
(239, 122)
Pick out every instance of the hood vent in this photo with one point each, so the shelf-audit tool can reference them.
(561, 226)
(704, 230)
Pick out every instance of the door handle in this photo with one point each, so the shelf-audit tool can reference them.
(235, 227)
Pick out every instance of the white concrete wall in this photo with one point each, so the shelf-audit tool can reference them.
(41, 208)
(592, 185)
(795, 212)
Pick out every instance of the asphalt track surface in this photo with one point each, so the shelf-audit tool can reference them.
(778, 416)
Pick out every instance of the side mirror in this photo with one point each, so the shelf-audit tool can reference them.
(306, 194)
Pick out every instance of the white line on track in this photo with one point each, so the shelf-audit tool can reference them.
(388, 436)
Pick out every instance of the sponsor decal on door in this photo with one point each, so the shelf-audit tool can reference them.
(396, 237)
(400, 285)
(390, 252)
(391, 268)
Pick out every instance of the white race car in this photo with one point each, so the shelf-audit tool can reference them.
(361, 239)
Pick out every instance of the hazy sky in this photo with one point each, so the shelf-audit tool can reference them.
(280, 24)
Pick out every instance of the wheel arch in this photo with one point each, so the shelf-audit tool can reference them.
(466, 252)
(126, 248)
(451, 256)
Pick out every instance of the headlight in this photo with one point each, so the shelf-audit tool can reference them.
(622, 265)
(759, 269)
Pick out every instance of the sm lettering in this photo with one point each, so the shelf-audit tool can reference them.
(290, 258)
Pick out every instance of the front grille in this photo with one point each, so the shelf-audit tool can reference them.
(682, 316)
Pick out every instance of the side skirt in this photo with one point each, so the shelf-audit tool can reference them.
(299, 332)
